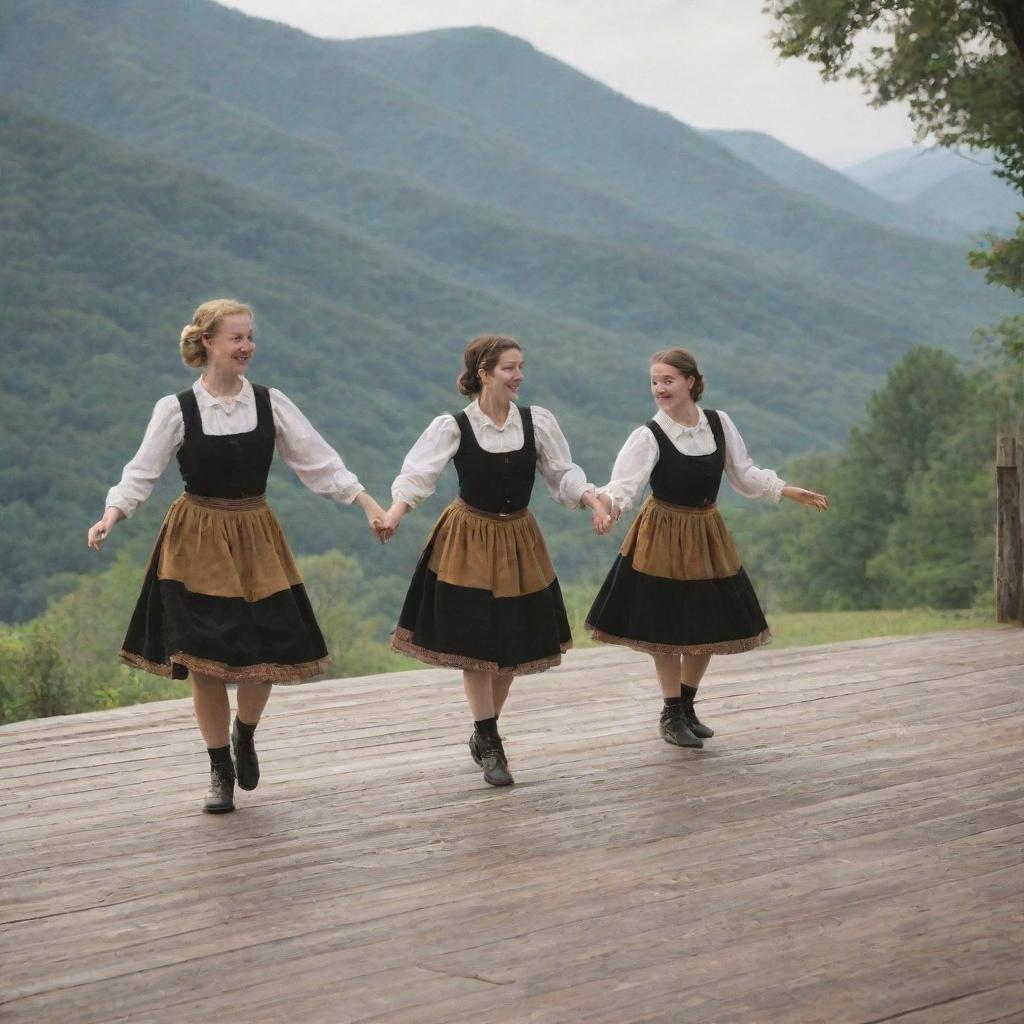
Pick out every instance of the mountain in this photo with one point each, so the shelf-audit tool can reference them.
(379, 202)
(458, 113)
(807, 177)
(113, 247)
(960, 188)
(297, 143)
(670, 171)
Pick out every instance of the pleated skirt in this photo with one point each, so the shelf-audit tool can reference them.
(484, 596)
(678, 587)
(222, 596)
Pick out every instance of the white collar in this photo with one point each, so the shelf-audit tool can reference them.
(207, 401)
(480, 419)
(676, 430)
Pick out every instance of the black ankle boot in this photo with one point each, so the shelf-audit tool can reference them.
(243, 746)
(220, 797)
(697, 727)
(675, 729)
(488, 752)
(474, 746)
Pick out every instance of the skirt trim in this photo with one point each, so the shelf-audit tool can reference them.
(402, 641)
(264, 673)
(646, 647)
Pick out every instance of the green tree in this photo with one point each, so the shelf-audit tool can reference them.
(822, 562)
(939, 552)
(958, 63)
(960, 66)
(345, 608)
(34, 677)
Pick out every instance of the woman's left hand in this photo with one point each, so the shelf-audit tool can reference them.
(804, 497)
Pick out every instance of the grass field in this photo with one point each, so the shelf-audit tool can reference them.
(801, 629)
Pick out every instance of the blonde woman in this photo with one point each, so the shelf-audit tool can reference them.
(484, 597)
(677, 589)
(222, 601)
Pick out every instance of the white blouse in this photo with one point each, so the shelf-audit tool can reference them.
(565, 481)
(639, 456)
(313, 460)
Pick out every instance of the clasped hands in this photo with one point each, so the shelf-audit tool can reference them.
(602, 511)
(383, 524)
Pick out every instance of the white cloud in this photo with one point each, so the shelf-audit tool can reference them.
(706, 62)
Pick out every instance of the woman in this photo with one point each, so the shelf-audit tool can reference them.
(677, 589)
(222, 601)
(484, 597)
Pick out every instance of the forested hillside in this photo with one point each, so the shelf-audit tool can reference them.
(810, 178)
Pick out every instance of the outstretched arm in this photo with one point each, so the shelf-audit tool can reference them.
(804, 497)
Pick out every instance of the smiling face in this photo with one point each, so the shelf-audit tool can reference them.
(671, 389)
(231, 348)
(503, 380)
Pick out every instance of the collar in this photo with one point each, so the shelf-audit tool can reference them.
(677, 430)
(206, 401)
(480, 419)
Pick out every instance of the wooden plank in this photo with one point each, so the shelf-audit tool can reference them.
(1009, 541)
(859, 813)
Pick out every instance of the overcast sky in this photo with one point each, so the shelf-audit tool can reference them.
(707, 62)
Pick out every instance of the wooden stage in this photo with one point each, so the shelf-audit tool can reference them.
(848, 849)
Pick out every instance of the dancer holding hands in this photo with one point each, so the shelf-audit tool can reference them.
(677, 589)
(222, 601)
(484, 597)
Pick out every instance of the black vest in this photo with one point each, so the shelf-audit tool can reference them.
(231, 466)
(498, 482)
(690, 480)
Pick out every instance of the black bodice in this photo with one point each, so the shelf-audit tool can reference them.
(231, 465)
(497, 482)
(690, 480)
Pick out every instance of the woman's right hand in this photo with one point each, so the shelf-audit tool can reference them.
(99, 532)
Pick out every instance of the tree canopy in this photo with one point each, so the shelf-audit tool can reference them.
(960, 66)
(958, 63)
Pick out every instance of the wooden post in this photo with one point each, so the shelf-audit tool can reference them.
(1009, 547)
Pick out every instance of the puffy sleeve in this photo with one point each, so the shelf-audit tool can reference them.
(427, 458)
(745, 478)
(632, 470)
(566, 482)
(162, 439)
(309, 456)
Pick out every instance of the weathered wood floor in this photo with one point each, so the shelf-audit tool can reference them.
(847, 849)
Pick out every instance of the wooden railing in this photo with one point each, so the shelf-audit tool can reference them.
(1009, 544)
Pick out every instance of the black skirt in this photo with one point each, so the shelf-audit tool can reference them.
(222, 596)
(677, 587)
(484, 596)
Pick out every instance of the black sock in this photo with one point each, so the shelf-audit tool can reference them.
(220, 757)
(245, 731)
(673, 702)
(689, 691)
(487, 727)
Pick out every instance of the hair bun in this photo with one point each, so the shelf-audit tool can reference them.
(206, 320)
